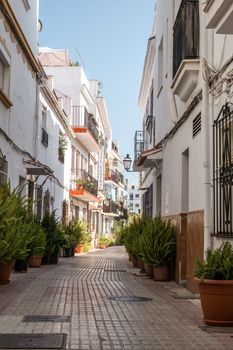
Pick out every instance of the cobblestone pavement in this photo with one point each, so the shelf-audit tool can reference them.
(79, 287)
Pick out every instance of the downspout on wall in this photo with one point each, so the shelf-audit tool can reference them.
(206, 135)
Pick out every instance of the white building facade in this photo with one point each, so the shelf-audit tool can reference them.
(182, 96)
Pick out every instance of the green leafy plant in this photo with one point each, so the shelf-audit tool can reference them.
(103, 240)
(15, 225)
(72, 234)
(132, 233)
(218, 264)
(54, 234)
(84, 232)
(38, 243)
(158, 242)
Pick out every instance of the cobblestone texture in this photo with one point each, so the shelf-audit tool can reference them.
(79, 287)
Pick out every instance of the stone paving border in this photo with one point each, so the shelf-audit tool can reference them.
(79, 287)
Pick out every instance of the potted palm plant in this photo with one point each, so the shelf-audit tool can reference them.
(82, 228)
(15, 231)
(103, 242)
(54, 238)
(215, 279)
(36, 248)
(158, 244)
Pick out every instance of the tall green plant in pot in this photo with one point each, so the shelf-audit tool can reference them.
(37, 246)
(158, 244)
(215, 279)
(132, 238)
(14, 230)
(54, 238)
(72, 235)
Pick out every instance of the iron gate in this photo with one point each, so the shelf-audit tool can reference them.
(223, 171)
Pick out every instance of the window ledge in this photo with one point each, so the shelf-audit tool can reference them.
(5, 100)
(186, 79)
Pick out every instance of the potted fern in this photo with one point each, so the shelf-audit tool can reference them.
(37, 246)
(158, 244)
(15, 231)
(215, 278)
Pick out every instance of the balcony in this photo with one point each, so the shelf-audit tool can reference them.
(145, 157)
(84, 186)
(110, 207)
(115, 148)
(85, 127)
(186, 49)
(114, 176)
(219, 16)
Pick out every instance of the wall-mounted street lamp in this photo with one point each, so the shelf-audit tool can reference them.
(127, 161)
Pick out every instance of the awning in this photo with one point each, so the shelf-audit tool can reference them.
(148, 157)
(36, 168)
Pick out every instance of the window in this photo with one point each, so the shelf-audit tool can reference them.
(131, 196)
(186, 33)
(133, 187)
(136, 195)
(160, 66)
(44, 134)
(131, 205)
(136, 205)
(26, 4)
(148, 202)
(3, 168)
(196, 125)
(4, 77)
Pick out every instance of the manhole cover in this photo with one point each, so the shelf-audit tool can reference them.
(114, 270)
(214, 329)
(33, 341)
(130, 298)
(45, 318)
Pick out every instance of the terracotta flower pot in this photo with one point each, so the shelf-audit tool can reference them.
(161, 273)
(149, 270)
(5, 270)
(217, 301)
(79, 248)
(103, 246)
(35, 261)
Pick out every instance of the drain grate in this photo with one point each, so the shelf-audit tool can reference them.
(185, 296)
(33, 341)
(129, 298)
(46, 318)
(215, 329)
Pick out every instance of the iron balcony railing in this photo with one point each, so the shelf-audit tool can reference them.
(186, 33)
(82, 180)
(115, 148)
(81, 118)
(3, 170)
(110, 207)
(115, 176)
(140, 144)
(223, 172)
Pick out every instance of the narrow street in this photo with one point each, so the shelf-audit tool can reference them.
(79, 288)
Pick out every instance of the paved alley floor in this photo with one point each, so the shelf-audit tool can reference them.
(80, 288)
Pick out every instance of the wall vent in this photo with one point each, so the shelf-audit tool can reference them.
(196, 125)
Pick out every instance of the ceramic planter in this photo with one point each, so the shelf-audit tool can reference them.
(45, 260)
(67, 252)
(102, 246)
(161, 273)
(35, 261)
(79, 248)
(149, 270)
(217, 301)
(5, 270)
(54, 258)
(134, 261)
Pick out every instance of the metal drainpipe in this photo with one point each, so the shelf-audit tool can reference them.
(206, 136)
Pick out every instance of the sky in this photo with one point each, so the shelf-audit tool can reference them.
(111, 38)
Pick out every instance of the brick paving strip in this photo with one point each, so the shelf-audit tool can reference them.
(81, 288)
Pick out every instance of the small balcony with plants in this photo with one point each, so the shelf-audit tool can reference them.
(86, 128)
(114, 176)
(84, 186)
(186, 63)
